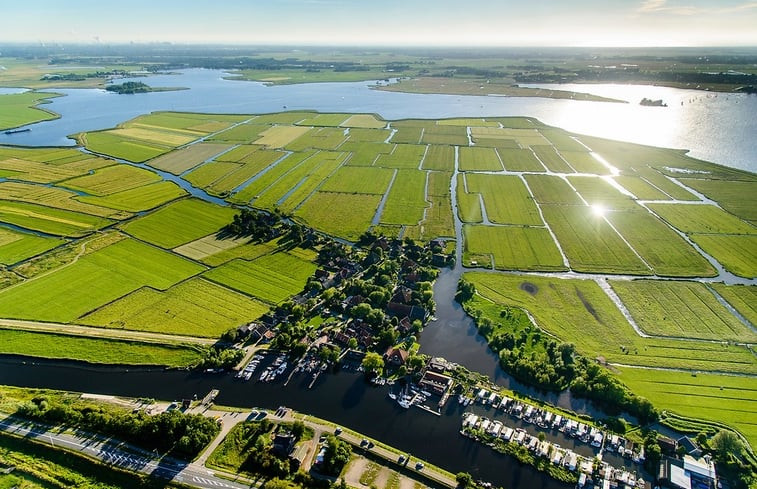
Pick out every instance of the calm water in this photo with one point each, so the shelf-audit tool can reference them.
(719, 128)
(343, 398)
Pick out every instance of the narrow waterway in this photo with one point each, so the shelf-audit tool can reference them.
(344, 398)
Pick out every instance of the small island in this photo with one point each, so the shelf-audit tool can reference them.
(137, 87)
(648, 102)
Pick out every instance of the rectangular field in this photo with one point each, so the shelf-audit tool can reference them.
(324, 164)
(719, 398)
(468, 204)
(180, 222)
(95, 350)
(681, 310)
(253, 189)
(737, 253)
(251, 166)
(181, 160)
(407, 199)
(361, 135)
(95, 279)
(739, 198)
(271, 278)
(479, 159)
(580, 312)
(106, 142)
(364, 120)
(53, 197)
(48, 220)
(642, 189)
(524, 137)
(205, 175)
(404, 156)
(359, 180)
(549, 189)
(552, 159)
(16, 246)
(520, 160)
(584, 162)
(407, 135)
(344, 215)
(280, 136)
(743, 298)
(365, 154)
(243, 133)
(702, 219)
(590, 244)
(596, 191)
(112, 179)
(662, 248)
(138, 199)
(195, 307)
(512, 248)
(330, 120)
(440, 158)
(328, 138)
(506, 199)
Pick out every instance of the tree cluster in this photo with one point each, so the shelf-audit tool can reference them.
(183, 435)
(337, 455)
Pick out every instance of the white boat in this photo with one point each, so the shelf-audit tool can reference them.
(393, 396)
(404, 403)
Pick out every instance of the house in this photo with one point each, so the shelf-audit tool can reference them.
(396, 356)
(405, 325)
(283, 444)
(436, 382)
(687, 473)
(689, 446)
(396, 309)
(667, 445)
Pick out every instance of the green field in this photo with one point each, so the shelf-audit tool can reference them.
(449, 135)
(406, 201)
(404, 156)
(243, 133)
(104, 142)
(468, 204)
(93, 280)
(138, 199)
(579, 311)
(479, 159)
(365, 154)
(364, 120)
(331, 120)
(112, 179)
(597, 191)
(359, 180)
(19, 109)
(407, 135)
(511, 248)
(181, 160)
(680, 309)
(737, 253)
(583, 162)
(361, 135)
(324, 165)
(738, 198)
(328, 138)
(743, 298)
(640, 188)
(16, 246)
(193, 308)
(549, 189)
(270, 278)
(48, 220)
(180, 222)
(590, 244)
(94, 350)
(343, 215)
(506, 199)
(440, 158)
(520, 160)
(252, 165)
(207, 174)
(439, 220)
(265, 180)
(702, 219)
(552, 159)
(662, 248)
(719, 398)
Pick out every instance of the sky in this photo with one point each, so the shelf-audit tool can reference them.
(385, 22)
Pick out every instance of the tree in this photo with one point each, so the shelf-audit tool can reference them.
(373, 362)
(352, 344)
(725, 443)
(336, 456)
(464, 479)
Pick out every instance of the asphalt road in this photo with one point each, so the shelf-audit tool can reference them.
(121, 455)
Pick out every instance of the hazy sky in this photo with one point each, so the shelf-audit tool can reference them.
(386, 22)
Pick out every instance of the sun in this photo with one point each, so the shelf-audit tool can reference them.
(598, 210)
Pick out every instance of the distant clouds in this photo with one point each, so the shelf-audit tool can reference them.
(386, 22)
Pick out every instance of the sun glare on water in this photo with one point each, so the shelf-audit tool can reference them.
(598, 210)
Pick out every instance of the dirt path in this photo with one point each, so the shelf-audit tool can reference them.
(355, 470)
(89, 331)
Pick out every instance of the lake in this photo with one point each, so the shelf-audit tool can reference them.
(716, 127)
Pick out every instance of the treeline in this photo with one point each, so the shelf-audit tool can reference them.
(535, 359)
(129, 88)
(607, 76)
(182, 435)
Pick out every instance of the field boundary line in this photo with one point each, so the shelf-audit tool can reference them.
(102, 333)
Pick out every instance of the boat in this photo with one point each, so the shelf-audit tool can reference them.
(16, 131)
(404, 403)
(393, 396)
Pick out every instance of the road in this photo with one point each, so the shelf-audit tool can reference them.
(118, 334)
(122, 455)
